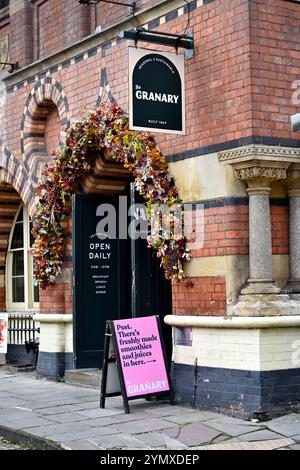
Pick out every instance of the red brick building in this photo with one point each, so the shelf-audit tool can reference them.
(238, 319)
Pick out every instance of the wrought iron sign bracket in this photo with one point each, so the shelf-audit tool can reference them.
(12, 66)
(185, 41)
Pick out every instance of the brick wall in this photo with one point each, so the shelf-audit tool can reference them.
(52, 300)
(105, 15)
(58, 23)
(21, 32)
(275, 55)
(206, 296)
(226, 230)
(52, 130)
(280, 230)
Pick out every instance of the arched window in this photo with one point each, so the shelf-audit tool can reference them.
(21, 293)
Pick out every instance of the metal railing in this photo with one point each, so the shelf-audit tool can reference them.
(22, 328)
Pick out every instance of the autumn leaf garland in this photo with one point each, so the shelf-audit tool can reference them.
(105, 128)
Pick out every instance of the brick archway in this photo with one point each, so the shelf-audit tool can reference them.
(13, 173)
(46, 94)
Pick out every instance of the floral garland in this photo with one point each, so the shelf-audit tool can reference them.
(107, 127)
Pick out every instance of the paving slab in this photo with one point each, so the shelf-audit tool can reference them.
(137, 427)
(89, 433)
(262, 435)
(59, 428)
(82, 444)
(263, 445)
(111, 442)
(230, 420)
(172, 443)
(115, 420)
(288, 425)
(162, 410)
(185, 418)
(152, 439)
(98, 413)
(294, 447)
(123, 418)
(132, 442)
(230, 428)
(192, 434)
(27, 423)
(56, 410)
(69, 417)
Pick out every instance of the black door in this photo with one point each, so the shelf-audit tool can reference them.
(112, 279)
(100, 271)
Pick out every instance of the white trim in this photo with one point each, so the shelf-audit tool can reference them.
(233, 322)
(54, 317)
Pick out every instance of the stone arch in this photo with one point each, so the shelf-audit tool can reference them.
(13, 173)
(46, 94)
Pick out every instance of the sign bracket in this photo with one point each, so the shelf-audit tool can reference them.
(185, 41)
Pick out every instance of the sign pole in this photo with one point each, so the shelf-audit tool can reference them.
(163, 347)
(119, 368)
(105, 365)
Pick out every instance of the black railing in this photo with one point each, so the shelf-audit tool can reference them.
(22, 328)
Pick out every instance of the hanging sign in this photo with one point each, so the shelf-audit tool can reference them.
(156, 91)
(134, 360)
(3, 332)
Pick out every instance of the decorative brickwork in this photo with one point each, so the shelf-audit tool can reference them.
(16, 175)
(45, 94)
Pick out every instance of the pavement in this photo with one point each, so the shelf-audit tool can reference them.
(69, 416)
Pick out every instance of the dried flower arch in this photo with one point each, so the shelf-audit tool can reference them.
(107, 127)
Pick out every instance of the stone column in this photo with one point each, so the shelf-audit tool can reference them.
(293, 182)
(258, 178)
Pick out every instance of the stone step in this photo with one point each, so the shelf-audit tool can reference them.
(86, 377)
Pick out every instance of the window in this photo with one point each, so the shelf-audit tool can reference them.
(21, 293)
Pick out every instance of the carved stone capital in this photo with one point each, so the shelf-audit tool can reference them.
(260, 165)
(293, 180)
(258, 176)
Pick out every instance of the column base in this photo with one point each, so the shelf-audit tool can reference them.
(260, 286)
(55, 352)
(52, 365)
(247, 368)
(261, 305)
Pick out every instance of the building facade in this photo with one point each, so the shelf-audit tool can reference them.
(236, 322)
